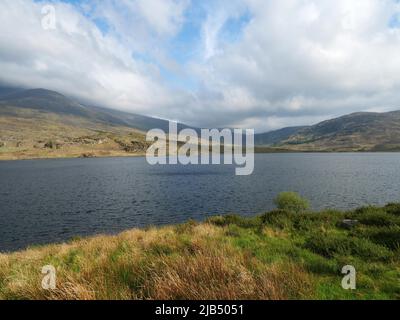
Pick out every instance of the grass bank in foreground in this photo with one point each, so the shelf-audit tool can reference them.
(283, 254)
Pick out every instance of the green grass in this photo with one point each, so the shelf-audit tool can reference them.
(316, 242)
(278, 255)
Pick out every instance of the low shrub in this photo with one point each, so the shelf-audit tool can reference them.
(393, 208)
(233, 219)
(291, 201)
(388, 237)
(378, 217)
(310, 222)
(319, 265)
(331, 245)
(278, 218)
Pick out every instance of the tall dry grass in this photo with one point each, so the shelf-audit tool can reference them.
(190, 262)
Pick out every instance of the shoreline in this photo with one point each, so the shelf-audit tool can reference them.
(141, 155)
(284, 254)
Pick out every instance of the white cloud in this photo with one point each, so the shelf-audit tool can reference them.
(309, 57)
(141, 24)
(163, 16)
(217, 14)
(296, 61)
(76, 59)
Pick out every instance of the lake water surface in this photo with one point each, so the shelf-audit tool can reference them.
(45, 201)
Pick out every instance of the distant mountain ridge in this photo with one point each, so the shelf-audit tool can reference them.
(44, 100)
(51, 101)
(277, 136)
(361, 131)
(39, 123)
(4, 91)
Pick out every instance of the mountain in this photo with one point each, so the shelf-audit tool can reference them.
(275, 137)
(43, 100)
(50, 101)
(362, 131)
(40, 123)
(136, 121)
(4, 91)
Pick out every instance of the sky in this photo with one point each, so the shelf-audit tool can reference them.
(256, 64)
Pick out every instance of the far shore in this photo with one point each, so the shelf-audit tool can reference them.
(17, 156)
(72, 156)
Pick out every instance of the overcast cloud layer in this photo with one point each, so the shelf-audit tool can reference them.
(244, 63)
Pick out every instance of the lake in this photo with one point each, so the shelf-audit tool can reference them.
(46, 201)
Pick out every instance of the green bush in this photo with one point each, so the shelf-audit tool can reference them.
(292, 201)
(312, 221)
(393, 208)
(234, 219)
(388, 237)
(377, 217)
(274, 215)
(333, 245)
(278, 218)
(50, 145)
(317, 264)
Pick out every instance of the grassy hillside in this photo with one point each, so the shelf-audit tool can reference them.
(40, 123)
(276, 137)
(33, 120)
(354, 132)
(27, 133)
(47, 101)
(278, 255)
